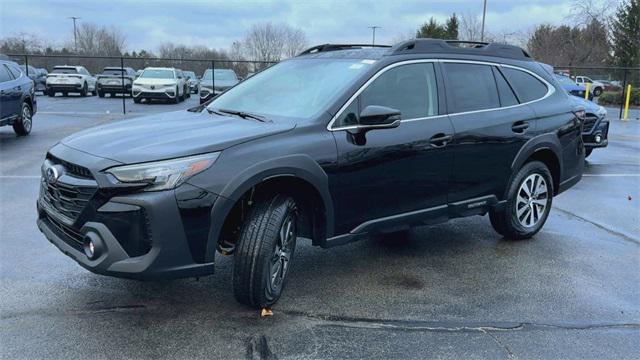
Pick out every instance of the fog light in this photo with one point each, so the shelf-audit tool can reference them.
(598, 138)
(91, 246)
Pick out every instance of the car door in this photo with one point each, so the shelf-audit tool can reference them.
(9, 93)
(490, 128)
(388, 172)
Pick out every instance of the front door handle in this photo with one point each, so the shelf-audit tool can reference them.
(519, 127)
(440, 140)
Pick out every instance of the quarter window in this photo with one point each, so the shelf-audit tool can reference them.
(526, 86)
(471, 87)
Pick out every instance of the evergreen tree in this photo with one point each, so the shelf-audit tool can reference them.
(626, 34)
(451, 29)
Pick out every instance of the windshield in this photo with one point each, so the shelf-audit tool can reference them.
(563, 80)
(221, 74)
(189, 74)
(157, 74)
(294, 88)
(112, 72)
(64, 71)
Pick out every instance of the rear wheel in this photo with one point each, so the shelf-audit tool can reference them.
(176, 99)
(264, 252)
(100, 94)
(22, 126)
(51, 93)
(528, 203)
(137, 100)
(597, 91)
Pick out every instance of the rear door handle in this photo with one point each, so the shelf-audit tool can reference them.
(520, 127)
(440, 140)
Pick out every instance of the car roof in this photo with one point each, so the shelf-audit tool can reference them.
(160, 68)
(67, 67)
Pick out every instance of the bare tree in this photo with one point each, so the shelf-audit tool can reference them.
(295, 41)
(470, 27)
(95, 40)
(271, 42)
(21, 43)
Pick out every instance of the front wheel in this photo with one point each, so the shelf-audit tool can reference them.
(529, 201)
(587, 152)
(597, 91)
(84, 90)
(22, 126)
(264, 252)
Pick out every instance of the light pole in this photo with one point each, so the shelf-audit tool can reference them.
(75, 33)
(373, 42)
(484, 15)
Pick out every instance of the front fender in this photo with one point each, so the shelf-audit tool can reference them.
(299, 166)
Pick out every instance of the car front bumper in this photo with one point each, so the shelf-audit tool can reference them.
(595, 132)
(162, 94)
(139, 235)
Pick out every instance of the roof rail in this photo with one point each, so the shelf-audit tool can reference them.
(421, 46)
(333, 47)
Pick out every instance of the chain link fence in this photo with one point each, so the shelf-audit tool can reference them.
(615, 80)
(38, 67)
(615, 83)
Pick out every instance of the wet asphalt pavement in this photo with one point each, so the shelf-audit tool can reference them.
(455, 290)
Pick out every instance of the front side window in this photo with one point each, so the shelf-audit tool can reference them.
(409, 88)
(471, 87)
(526, 86)
(4, 74)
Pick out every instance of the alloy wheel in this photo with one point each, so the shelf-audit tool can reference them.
(531, 201)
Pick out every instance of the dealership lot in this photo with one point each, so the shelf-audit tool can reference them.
(455, 289)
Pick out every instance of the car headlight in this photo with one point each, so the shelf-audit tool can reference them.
(602, 112)
(165, 174)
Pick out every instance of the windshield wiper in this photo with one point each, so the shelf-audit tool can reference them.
(242, 114)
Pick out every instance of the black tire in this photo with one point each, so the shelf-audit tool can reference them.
(137, 100)
(176, 99)
(597, 91)
(23, 125)
(509, 221)
(100, 94)
(65, 94)
(587, 152)
(258, 257)
(51, 93)
(84, 90)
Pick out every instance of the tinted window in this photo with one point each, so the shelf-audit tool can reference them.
(507, 97)
(220, 74)
(409, 88)
(526, 86)
(4, 74)
(349, 116)
(64, 71)
(471, 87)
(14, 70)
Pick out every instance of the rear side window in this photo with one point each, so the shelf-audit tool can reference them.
(471, 87)
(4, 74)
(14, 70)
(526, 86)
(409, 88)
(507, 97)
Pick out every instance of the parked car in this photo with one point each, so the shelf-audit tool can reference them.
(43, 83)
(17, 98)
(595, 128)
(111, 80)
(597, 87)
(157, 83)
(573, 88)
(39, 79)
(138, 73)
(223, 79)
(609, 85)
(333, 145)
(70, 79)
(192, 81)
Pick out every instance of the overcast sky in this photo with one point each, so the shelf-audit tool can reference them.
(217, 24)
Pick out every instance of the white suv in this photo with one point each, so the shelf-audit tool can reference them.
(160, 83)
(596, 87)
(70, 79)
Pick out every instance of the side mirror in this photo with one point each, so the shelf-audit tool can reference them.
(379, 117)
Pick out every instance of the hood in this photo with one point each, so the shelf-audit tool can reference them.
(170, 135)
(140, 81)
(589, 106)
(219, 83)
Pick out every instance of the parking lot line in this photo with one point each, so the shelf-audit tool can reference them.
(19, 176)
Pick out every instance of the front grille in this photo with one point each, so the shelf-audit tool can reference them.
(71, 236)
(73, 169)
(66, 199)
(589, 123)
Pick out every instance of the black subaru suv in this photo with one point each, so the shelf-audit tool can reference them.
(331, 146)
